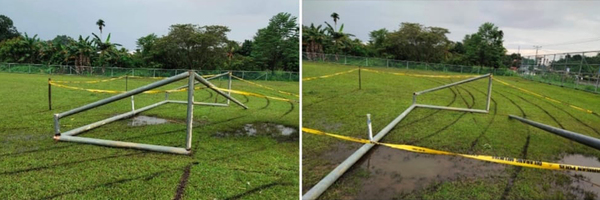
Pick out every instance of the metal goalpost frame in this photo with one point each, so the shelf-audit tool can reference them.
(70, 136)
(336, 173)
(205, 103)
(487, 105)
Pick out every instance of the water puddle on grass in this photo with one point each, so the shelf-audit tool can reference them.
(587, 181)
(392, 172)
(142, 120)
(279, 132)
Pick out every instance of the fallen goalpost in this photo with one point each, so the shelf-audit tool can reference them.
(70, 136)
(336, 173)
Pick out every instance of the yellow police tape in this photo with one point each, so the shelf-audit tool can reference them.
(96, 81)
(115, 91)
(544, 97)
(421, 75)
(259, 85)
(121, 77)
(171, 91)
(255, 95)
(495, 159)
(327, 76)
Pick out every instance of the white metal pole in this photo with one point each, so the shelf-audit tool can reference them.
(229, 87)
(369, 126)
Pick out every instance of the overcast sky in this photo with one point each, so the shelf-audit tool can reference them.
(129, 20)
(524, 23)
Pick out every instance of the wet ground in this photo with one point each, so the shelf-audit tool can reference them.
(143, 120)
(280, 132)
(393, 172)
(586, 181)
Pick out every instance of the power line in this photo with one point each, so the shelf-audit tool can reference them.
(575, 42)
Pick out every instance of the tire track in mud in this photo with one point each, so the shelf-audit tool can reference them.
(515, 175)
(544, 110)
(328, 98)
(449, 125)
(290, 110)
(489, 123)
(267, 105)
(433, 113)
(576, 119)
(464, 100)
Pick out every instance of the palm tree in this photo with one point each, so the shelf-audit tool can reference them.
(335, 17)
(339, 38)
(80, 52)
(107, 51)
(313, 38)
(30, 45)
(100, 24)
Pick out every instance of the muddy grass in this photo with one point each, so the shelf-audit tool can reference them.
(585, 185)
(392, 172)
(277, 131)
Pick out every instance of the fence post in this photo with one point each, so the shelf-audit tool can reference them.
(266, 75)
(8, 67)
(359, 79)
(597, 79)
(580, 66)
(132, 72)
(49, 94)
(407, 64)
(153, 73)
(29, 68)
(345, 56)
(290, 76)
(367, 62)
(478, 70)
(387, 63)
(461, 69)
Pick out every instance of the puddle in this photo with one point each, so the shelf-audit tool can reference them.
(142, 120)
(280, 132)
(393, 172)
(587, 181)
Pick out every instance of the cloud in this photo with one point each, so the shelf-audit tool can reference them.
(129, 20)
(525, 23)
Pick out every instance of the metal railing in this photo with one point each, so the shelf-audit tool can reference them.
(578, 70)
(144, 72)
(405, 64)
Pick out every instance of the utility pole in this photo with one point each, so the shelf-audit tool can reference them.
(536, 53)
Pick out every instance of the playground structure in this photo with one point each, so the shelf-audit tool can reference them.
(70, 136)
(336, 173)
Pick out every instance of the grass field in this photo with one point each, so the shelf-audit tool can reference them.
(336, 105)
(223, 166)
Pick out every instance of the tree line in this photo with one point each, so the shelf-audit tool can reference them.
(413, 42)
(186, 46)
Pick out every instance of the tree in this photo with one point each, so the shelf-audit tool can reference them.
(246, 48)
(340, 41)
(313, 38)
(100, 24)
(7, 29)
(276, 46)
(416, 42)
(377, 41)
(193, 47)
(335, 17)
(485, 47)
(146, 50)
(107, 51)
